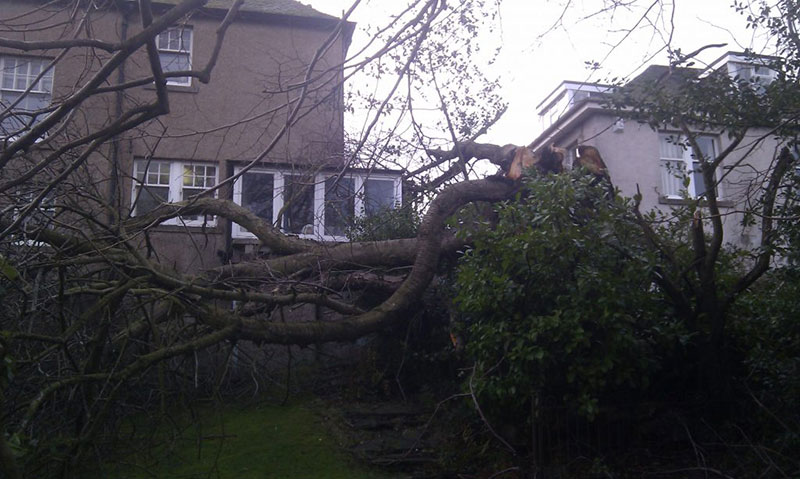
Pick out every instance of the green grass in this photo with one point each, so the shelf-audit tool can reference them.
(264, 442)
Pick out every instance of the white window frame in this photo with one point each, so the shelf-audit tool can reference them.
(41, 89)
(672, 184)
(319, 233)
(758, 73)
(177, 81)
(176, 188)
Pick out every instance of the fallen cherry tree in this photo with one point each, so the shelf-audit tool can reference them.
(92, 289)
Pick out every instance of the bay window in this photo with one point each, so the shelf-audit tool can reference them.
(681, 174)
(319, 206)
(164, 181)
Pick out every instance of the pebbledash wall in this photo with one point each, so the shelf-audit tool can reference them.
(642, 159)
(214, 129)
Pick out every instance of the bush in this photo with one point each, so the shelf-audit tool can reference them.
(557, 301)
(767, 335)
(389, 223)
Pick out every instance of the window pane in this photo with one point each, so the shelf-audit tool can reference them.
(8, 72)
(21, 74)
(150, 197)
(34, 102)
(199, 176)
(12, 124)
(174, 39)
(339, 205)
(186, 39)
(157, 172)
(378, 196)
(34, 68)
(298, 200)
(196, 179)
(706, 145)
(172, 62)
(708, 149)
(699, 184)
(46, 83)
(257, 194)
(673, 173)
(671, 146)
(187, 193)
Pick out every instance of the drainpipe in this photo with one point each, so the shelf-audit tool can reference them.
(124, 8)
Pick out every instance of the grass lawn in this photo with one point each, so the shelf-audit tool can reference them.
(264, 442)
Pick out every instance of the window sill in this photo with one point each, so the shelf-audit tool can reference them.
(216, 229)
(245, 240)
(176, 88)
(665, 200)
(237, 240)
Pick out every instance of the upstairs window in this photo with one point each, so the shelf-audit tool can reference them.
(18, 75)
(758, 76)
(161, 181)
(175, 51)
(680, 170)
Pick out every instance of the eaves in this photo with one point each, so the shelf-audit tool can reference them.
(570, 120)
(282, 12)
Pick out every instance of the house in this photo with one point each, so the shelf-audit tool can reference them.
(248, 120)
(656, 161)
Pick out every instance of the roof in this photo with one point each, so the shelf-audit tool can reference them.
(290, 8)
(663, 76)
(742, 57)
(653, 78)
(577, 85)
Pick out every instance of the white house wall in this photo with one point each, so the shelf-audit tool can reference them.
(633, 159)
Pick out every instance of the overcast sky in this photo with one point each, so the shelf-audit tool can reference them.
(535, 58)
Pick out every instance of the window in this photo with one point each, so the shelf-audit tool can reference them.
(175, 51)
(19, 74)
(162, 181)
(680, 170)
(757, 75)
(298, 197)
(340, 204)
(379, 195)
(320, 206)
(43, 216)
(256, 194)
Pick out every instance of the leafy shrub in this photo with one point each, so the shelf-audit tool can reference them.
(767, 335)
(557, 301)
(389, 223)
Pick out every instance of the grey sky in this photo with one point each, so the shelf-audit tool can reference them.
(537, 56)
